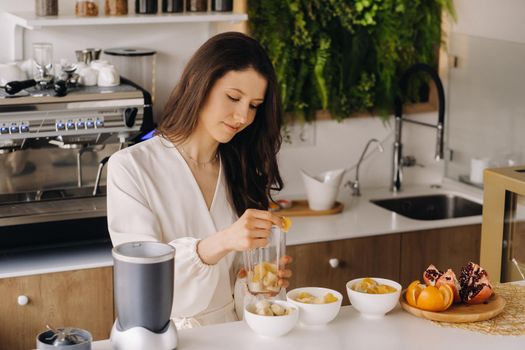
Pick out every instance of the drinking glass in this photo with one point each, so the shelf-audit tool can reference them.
(262, 264)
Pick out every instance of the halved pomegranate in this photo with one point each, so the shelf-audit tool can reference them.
(431, 275)
(475, 284)
(449, 278)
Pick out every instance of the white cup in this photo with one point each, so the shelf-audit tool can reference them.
(88, 76)
(97, 64)
(477, 166)
(11, 72)
(108, 76)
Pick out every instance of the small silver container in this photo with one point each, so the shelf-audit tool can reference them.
(43, 341)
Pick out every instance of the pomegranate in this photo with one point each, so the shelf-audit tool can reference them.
(475, 284)
(449, 278)
(431, 275)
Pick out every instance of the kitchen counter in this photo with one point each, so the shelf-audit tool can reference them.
(396, 331)
(360, 218)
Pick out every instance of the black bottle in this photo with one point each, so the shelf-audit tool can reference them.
(146, 7)
(172, 6)
(222, 5)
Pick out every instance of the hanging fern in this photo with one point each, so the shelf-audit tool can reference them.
(345, 55)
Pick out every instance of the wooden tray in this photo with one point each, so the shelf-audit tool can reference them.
(300, 208)
(459, 313)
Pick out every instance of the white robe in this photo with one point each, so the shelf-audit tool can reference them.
(153, 196)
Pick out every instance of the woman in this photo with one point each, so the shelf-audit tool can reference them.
(203, 183)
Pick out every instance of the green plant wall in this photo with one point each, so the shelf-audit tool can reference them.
(345, 56)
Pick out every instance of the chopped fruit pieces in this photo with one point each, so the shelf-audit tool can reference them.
(263, 278)
(308, 298)
(370, 286)
(287, 223)
(265, 308)
(330, 298)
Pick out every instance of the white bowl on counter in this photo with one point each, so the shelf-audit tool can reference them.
(271, 326)
(373, 305)
(315, 314)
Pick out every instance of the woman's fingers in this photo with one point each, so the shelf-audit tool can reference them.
(286, 259)
(283, 283)
(265, 215)
(285, 273)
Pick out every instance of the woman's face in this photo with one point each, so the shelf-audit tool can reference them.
(231, 104)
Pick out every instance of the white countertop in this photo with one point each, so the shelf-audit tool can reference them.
(360, 218)
(396, 331)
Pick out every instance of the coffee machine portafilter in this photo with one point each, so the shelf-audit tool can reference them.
(143, 289)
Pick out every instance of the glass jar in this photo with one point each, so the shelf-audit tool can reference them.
(262, 264)
(196, 5)
(46, 7)
(146, 7)
(222, 5)
(86, 8)
(116, 7)
(172, 6)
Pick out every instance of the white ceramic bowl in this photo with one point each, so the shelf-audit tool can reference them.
(373, 305)
(271, 326)
(315, 314)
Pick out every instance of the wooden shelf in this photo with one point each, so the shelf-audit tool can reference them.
(29, 20)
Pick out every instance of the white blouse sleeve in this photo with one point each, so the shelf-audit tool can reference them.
(131, 219)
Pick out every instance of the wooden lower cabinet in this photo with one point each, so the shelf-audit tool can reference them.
(80, 298)
(450, 247)
(401, 257)
(376, 256)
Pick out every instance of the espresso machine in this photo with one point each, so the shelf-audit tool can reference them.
(52, 155)
(143, 290)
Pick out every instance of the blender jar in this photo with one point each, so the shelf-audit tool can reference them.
(262, 264)
(135, 64)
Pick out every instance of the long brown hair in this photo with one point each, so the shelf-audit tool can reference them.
(249, 159)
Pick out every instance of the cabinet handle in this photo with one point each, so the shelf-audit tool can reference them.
(334, 262)
(22, 300)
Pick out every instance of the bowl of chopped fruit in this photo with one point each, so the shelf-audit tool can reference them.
(373, 297)
(271, 318)
(317, 305)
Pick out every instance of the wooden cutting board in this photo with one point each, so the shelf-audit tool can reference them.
(300, 208)
(459, 313)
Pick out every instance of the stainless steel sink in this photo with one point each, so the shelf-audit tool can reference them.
(431, 207)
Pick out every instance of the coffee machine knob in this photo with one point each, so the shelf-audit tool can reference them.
(129, 116)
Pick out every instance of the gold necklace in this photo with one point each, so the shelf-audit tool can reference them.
(203, 164)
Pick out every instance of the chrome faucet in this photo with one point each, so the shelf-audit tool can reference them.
(398, 159)
(354, 185)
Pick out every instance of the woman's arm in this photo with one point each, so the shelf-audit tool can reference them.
(249, 232)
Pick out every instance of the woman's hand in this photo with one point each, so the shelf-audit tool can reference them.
(250, 231)
(284, 273)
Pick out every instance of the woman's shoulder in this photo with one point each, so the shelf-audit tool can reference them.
(140, 150)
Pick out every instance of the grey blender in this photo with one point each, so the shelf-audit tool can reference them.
(143, 275)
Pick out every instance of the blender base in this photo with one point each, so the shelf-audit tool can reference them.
(139, 338)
